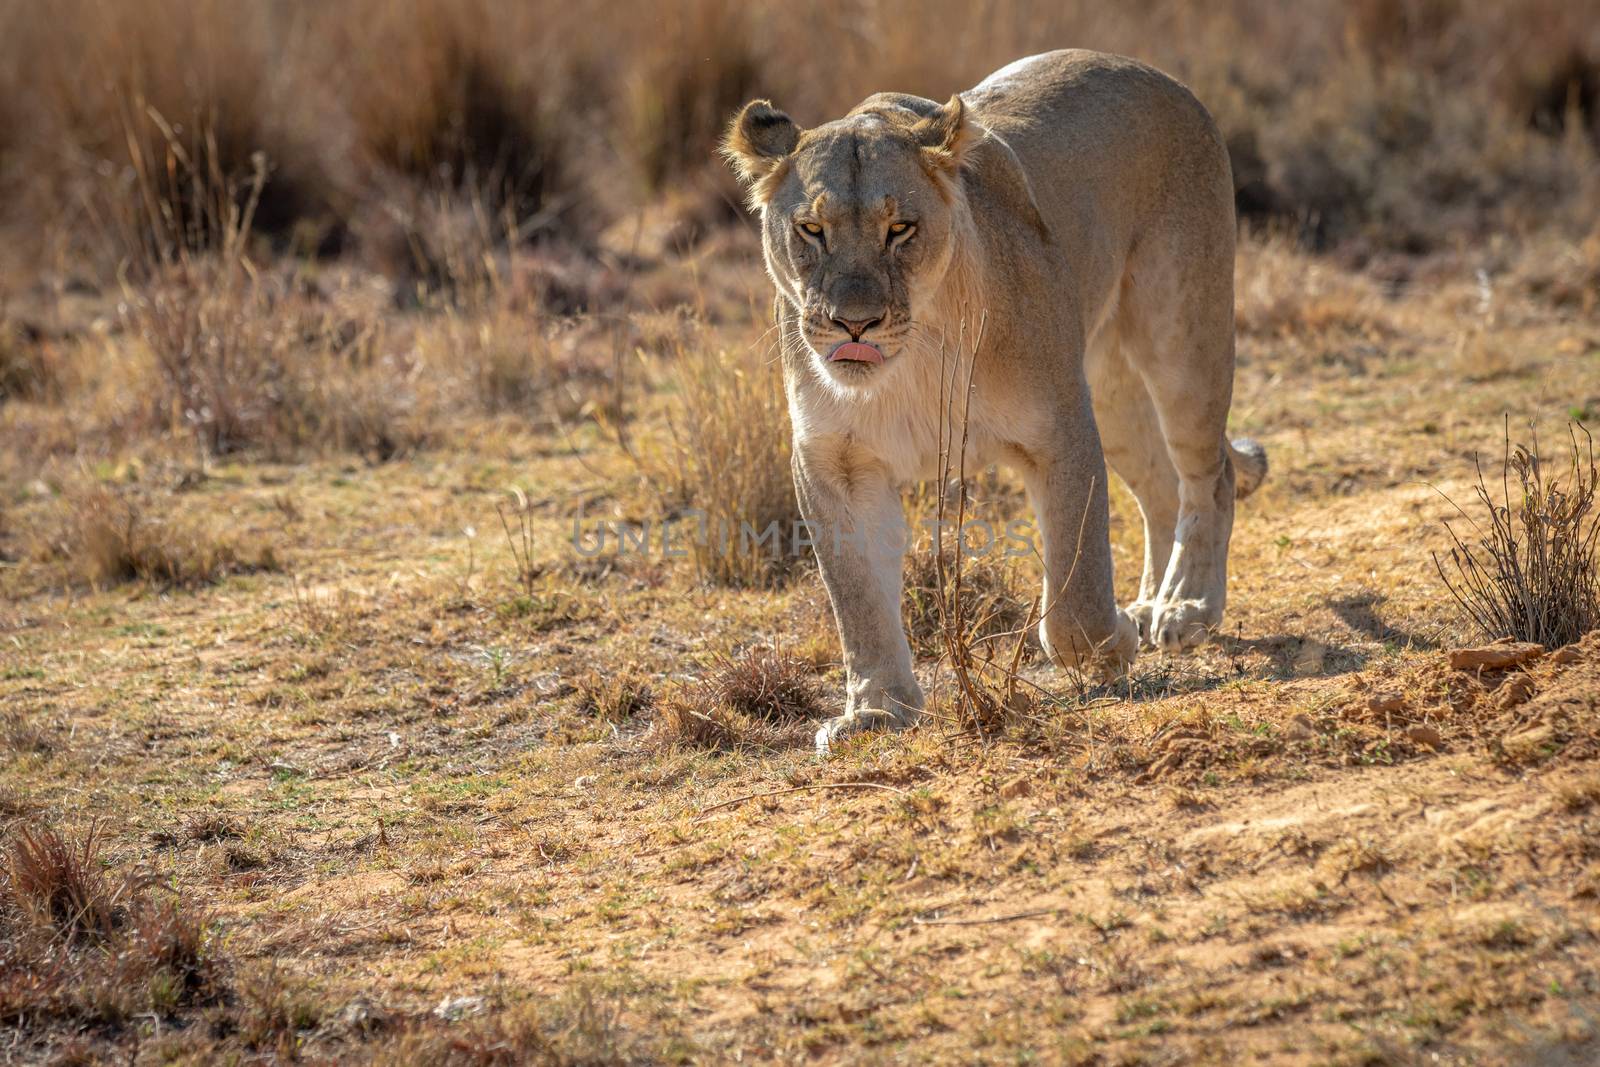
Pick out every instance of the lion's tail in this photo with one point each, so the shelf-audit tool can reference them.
(1249, 466)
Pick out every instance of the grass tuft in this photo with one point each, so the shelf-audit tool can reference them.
(84, 944)
(726, 468)
(990, 587)
(613, 697)
(55, 882)
(762, 683)
(107, 536)
(757, 699)
(681, 722)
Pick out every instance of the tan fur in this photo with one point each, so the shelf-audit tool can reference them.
(1076, 210)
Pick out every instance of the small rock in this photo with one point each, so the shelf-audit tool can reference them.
(1385, 702)
(1017, 787)
(1568, 654)
(1514, 692)
(1495, 657)
(1161, 767)
(1182, 739)
(1300, 728)
(362, 1016)
(1423, 734)
(455, 1009)
(1530, 742)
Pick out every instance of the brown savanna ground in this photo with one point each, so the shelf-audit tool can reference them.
(377, 767)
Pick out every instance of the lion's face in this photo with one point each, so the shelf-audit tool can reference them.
(858, 223)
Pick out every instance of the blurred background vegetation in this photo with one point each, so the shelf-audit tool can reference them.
(274, 226)
(410, 132)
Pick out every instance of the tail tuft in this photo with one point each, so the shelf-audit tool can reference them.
(1249, 466)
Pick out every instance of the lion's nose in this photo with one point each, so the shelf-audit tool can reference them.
(856, 327)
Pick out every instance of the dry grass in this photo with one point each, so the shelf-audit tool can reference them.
(104, 536)
(1531, 569)
(584, 1026)
(683, 721)
(994, 589)
(245, 364)
(24, 372)
(755, 699)
(472, 157)
(764, 683)
(144, 114)
(20, 737)
(386, 126)
(614, 697)
(724, 468)
(82, 944)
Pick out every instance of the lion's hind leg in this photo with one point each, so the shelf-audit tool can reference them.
(1176, 328)
(1130, 433)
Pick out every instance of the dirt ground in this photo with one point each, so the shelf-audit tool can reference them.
(425, 800)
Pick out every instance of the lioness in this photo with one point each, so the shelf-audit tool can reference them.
(1078, 209)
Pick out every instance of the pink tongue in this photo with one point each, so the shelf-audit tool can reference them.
(856, 352)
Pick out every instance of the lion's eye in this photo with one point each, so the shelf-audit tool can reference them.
(810, 229)
(899, 231)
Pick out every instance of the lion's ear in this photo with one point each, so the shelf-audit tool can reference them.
(758, 140)
(945, 135)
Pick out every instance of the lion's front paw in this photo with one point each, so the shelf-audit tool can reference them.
(860, 721)
(1106, 660)
(1180, 625)
(1143, 613)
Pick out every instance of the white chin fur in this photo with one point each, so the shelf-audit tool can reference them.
(850, 380)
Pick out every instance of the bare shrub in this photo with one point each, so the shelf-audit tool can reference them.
(987, 697)
(106, 536)
(996, 605)
(975, 647)
(1531, 568)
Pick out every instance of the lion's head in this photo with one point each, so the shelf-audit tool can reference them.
(860, 222)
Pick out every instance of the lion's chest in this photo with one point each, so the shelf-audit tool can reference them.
(908, 426)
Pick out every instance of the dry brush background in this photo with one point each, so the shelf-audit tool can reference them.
(322, 324)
